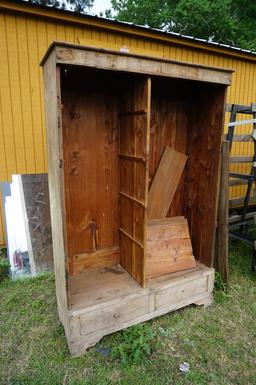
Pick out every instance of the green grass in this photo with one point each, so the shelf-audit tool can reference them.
(219, 343)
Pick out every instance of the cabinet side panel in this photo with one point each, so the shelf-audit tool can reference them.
(205, 128)
(55, 173)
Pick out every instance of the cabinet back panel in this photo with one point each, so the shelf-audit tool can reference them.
(90, 148)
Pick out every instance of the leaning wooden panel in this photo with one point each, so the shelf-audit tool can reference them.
(165, 182)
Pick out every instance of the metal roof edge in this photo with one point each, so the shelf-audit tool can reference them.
(66, 15)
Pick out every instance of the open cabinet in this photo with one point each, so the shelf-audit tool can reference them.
(114, 121)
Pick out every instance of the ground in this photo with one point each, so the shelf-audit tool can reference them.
(219, 342)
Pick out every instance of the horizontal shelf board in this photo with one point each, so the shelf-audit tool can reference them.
(127, 196)
(131, 238)
(131, 113)
(132, 157)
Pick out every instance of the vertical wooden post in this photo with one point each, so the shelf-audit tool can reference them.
(222, 228)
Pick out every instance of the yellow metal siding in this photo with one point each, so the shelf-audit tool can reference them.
(24, 39)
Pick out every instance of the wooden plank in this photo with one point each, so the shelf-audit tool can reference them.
(132, 157)
(169, 118)
(101, 258)
(240, 200)
(55, 178)
(237, 182)
(240, 159)
(239, 175)
(237, 218)
(114, 61)
(222, 229)
(165, 183)
(132, 199)
(241, 122)
(131, 238)
(241, 109)
(132, 113)
(242, 138)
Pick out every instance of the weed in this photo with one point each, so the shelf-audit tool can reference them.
(219, 284)
(137, 344)
(4, 268)
(3, 252)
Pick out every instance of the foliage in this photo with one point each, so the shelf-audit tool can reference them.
(136, 344)
(219, 342)
(81, 6)
(3, 252)
(227, 21)
(4, 267)
(219, 284)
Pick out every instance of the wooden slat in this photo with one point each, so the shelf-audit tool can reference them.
(114, 61)
(237, 182)
(131, 238)
(241, 109)
(132, 157)
(222, 229)
(100, 258)
(240, 175)
(132, 198)
(238, 108)
(240, 159)
(132, 113)
(241, 122)
(242, 138)
(237, 218)
(239, 201)
(169, 247)
(165, 183)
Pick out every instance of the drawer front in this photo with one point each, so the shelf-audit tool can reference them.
(116, 315)
(176, 294)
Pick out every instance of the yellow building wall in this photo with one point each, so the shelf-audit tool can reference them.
(24, 39)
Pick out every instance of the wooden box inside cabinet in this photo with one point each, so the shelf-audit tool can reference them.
(109, 118)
